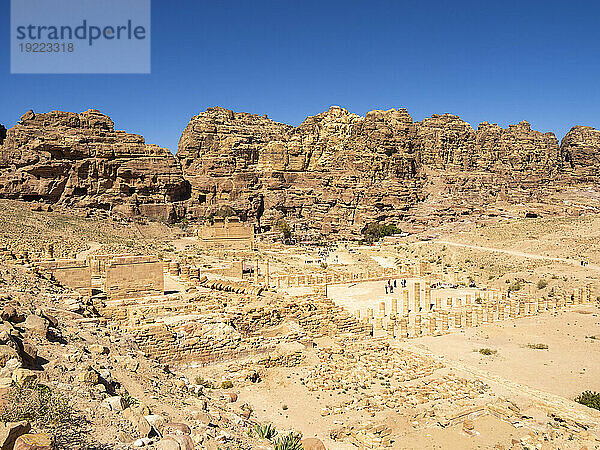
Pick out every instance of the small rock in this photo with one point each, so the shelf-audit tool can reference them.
(116, 403)
(98, 349)
(36, 324)
(142, 442)
(176, 428)
(156, 421)
(38, 441)
(7, 353)
(10, 431)
(312, 444)
(23, 376)
(232, 397)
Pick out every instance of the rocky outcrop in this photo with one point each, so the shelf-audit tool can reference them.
(337, 171)
(80, 160)
(580, 150)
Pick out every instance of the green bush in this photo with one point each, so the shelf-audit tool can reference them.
(375, 231)
(38, 404)
(226, 384)
(284, 228)
(487, 351)
(542, 284)
(516, 286)
(265, 431)
(589, 399)
(538, 346)
(290, 441)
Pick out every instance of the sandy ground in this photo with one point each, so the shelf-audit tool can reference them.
(569, 366)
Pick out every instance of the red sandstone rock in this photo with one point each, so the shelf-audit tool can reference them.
(80, 160)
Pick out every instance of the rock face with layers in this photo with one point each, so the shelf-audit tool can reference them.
(580, 149)
(338, 171)
(80, 160)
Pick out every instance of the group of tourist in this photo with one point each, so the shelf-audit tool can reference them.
(391, 285)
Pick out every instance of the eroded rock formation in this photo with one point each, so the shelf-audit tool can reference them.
(333, 173)
(580, 149)
(336, 171)
(80, 160)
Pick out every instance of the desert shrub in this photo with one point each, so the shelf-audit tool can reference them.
(538, 346)
(375, 231)
(284, 228)
(226, 384)
(265, 431)
(487, 351)
(589, 399)
(204, 383)
(516, 286)
(290, 441)
(542, 284)
(38, 404)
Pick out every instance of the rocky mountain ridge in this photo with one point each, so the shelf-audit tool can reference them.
(337, 171)
(333, 173)
(80, 160)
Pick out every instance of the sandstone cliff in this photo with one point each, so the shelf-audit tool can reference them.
(337, 171)
(580, 149)
(333, 173)
(80, 160)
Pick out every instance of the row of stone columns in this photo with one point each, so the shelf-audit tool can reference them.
(440, 321)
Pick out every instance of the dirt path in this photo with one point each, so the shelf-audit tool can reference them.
(573, 262)
(93, 246)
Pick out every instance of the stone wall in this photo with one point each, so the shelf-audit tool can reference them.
(131, 277)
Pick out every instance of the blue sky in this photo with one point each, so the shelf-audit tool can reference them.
(497, 61)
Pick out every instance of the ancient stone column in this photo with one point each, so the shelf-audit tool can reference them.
(480, 315)
(427, 297)
(438, 303)
(394, 307)
(185, 273)
(174, 268)
(469, 317)
(458, 319)
(382, 309)
(404, 327)
(468, 299)
(379, 323)
(501, 307)
(417, 297)
(445, 326)
(588, 294)
(417, 324)
(521, 311)
(405, 297)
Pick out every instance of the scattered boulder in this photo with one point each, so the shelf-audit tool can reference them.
(10, 432)
(115, 403)
(24, 376)
(37, 325)
(176, 428)
(38, 441)
(312, 444)
(7, 353)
